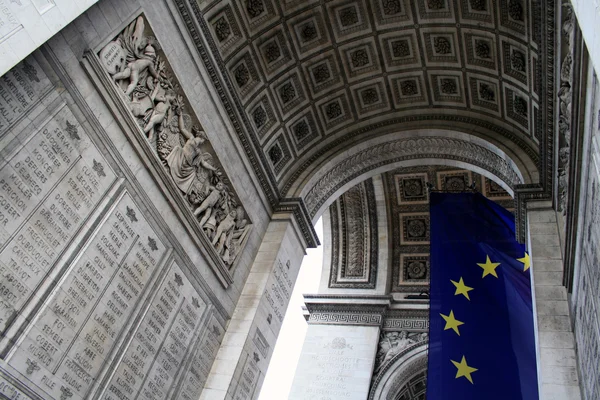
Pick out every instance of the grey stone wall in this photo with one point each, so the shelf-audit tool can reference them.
(586, 286)
(106, 292)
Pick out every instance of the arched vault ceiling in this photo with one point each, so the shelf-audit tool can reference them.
(305, 74)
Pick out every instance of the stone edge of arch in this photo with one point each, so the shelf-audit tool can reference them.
(402, 362)
(484, 156)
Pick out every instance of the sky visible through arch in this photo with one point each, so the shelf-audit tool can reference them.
(282, 367)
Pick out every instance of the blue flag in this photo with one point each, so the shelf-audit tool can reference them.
(481, 339)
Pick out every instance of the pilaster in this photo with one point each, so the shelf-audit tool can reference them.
(557, 369)
(339, 351)
(242, 360)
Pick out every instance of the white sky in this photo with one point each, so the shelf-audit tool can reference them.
(282, 367)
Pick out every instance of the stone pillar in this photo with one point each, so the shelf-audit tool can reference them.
(242, 360)
(339, 351)
(558, 362)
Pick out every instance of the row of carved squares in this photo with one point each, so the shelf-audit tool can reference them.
(412, 188)
(348, 17)
(323, 74)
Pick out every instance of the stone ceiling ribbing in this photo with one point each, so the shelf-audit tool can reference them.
(307, 73)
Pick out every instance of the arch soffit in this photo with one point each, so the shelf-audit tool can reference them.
(365, 159)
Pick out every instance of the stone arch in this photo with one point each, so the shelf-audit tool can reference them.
(401, 369)
(339, 172)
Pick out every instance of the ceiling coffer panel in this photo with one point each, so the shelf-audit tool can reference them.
(307, 73)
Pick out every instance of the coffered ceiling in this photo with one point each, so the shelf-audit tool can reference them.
(310, 76)
(354, 223)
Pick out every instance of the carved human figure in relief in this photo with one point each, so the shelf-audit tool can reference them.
(393, 343)
(140, 58)
(224, 230)
(206, 207)
(156, 101)
(184, 161)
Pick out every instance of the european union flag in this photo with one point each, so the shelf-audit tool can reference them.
(481, 339)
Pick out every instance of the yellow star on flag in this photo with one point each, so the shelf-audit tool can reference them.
(451, 322)
(489, 268)
(463, 369)
(526, 261)
(461, 288)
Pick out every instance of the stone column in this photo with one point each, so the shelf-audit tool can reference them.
(339, 351)
(558, 362)
(242, 360)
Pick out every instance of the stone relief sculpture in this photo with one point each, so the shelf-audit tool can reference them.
(136, 64)
(565, 96)
(393, 343)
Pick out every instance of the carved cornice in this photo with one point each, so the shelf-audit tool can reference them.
(406, 320)
(346, 310)
(408, 149)
(296, 206)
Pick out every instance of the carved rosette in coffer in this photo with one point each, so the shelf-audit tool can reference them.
(140, 85)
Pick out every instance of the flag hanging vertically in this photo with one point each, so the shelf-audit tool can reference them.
(481, 339)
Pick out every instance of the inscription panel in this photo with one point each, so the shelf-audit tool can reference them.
(9, 23)
(587, 310)
(49, 185)
(20, 89)
(336, 363)
(201, 361)
(278, 291)
(251, 374)
(157, 351)
(67, 344)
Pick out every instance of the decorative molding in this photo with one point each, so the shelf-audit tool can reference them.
(354, 250)
(407, 149)
(392, 344)
(410, 361)
(345, 310)
(296, 206)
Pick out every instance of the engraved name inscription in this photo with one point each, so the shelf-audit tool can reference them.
(20, 89)
(201, 361)
(278, 291)
(78, 326)
(48, 187)
(160, 344)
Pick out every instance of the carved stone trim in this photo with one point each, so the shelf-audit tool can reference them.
(346, 310)
(405, 362)
(407, 149)
(296, 206)
(354, 239)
